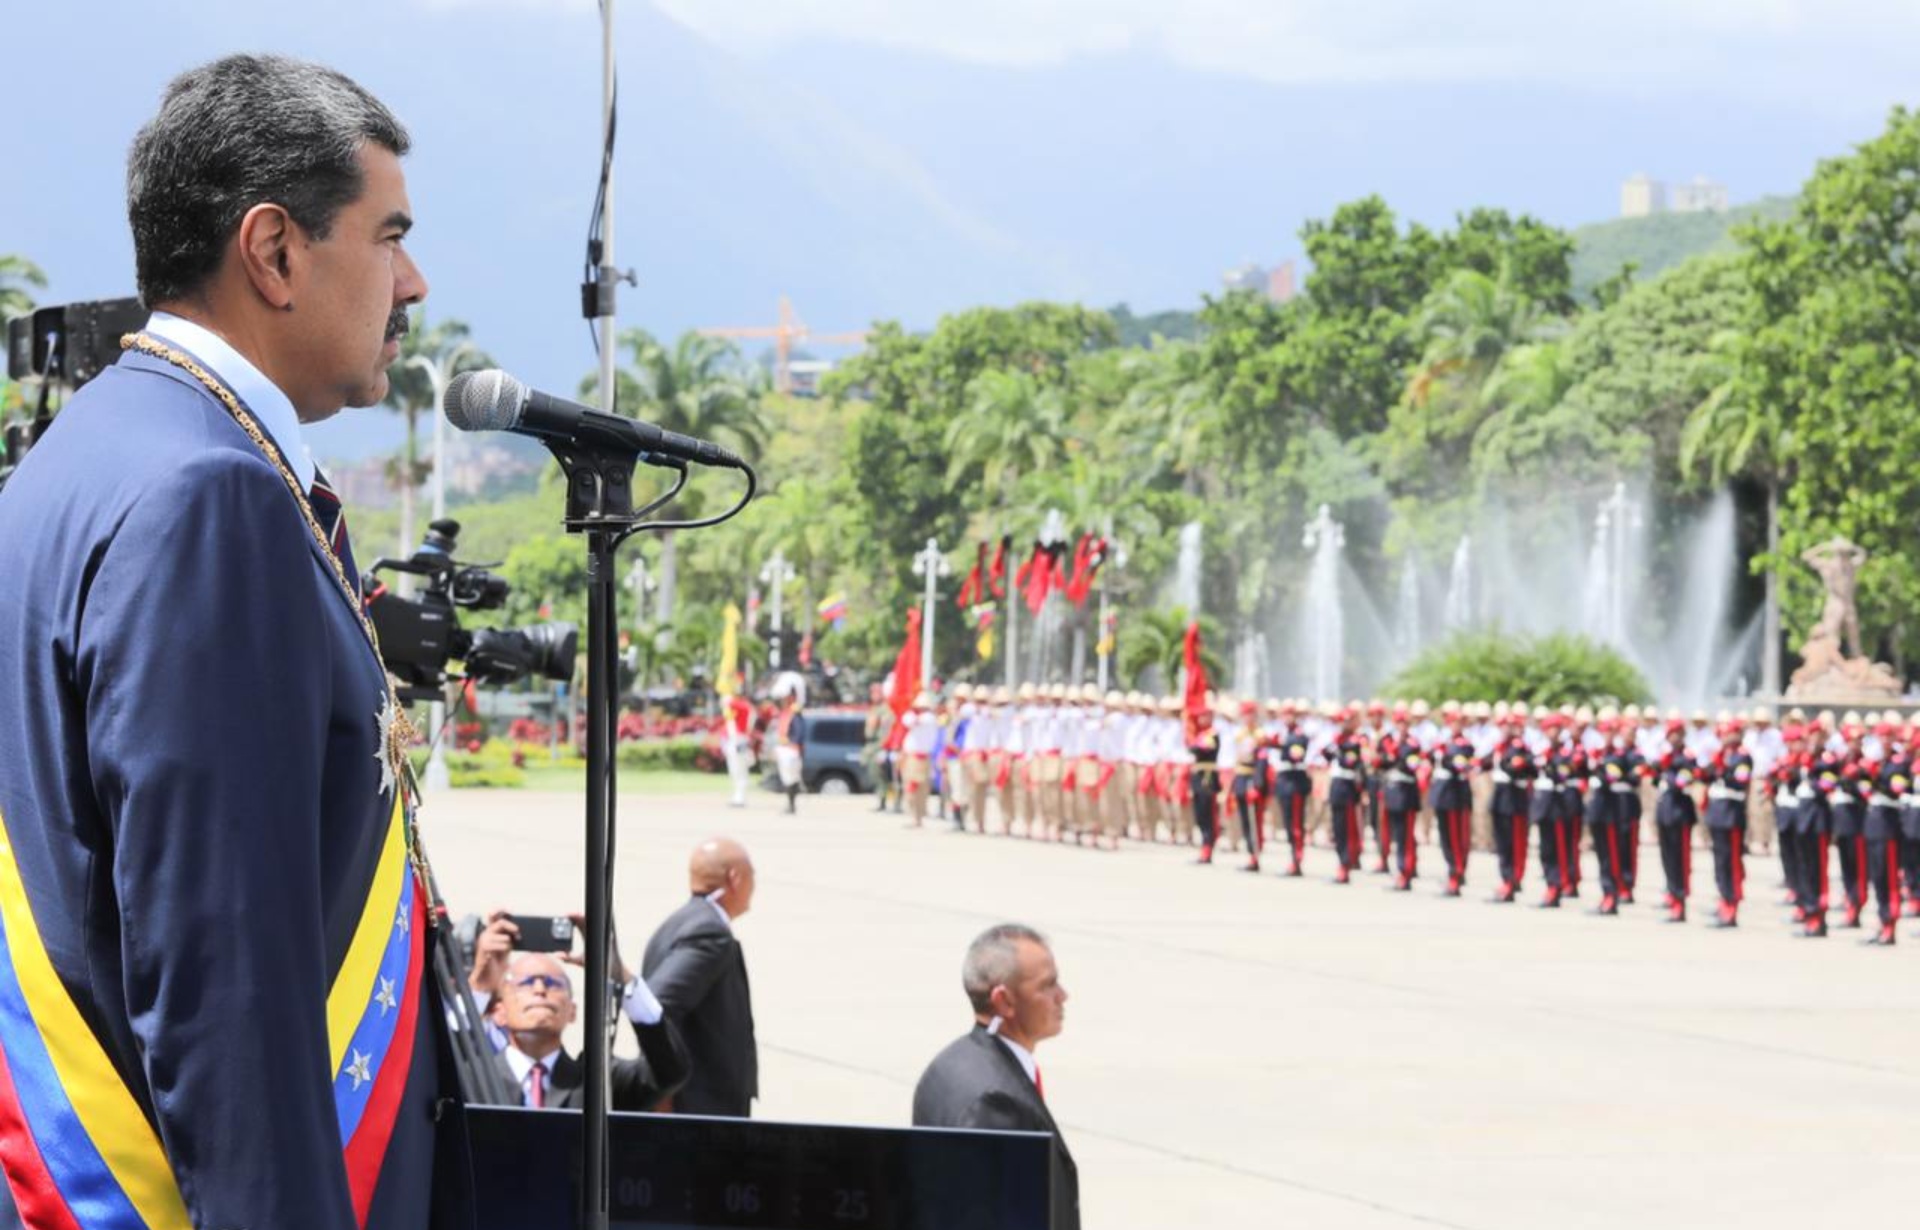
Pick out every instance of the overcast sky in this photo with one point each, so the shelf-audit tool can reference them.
(900, 159)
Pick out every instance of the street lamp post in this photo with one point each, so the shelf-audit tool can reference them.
(1116, 558)
(932, 565)
(775, 576)
(437, 376)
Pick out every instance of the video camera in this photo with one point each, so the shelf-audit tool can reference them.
(64, 347)
(419, 636)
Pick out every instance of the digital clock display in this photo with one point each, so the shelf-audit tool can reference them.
(740, 1174)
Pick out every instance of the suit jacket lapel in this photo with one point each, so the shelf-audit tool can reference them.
(1022, 1081)
(566, 1088)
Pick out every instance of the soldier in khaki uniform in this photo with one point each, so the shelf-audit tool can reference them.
(916, 756)
(1047, 765)
(1175, 763)
(1023, 759)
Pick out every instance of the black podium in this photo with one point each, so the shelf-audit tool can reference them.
(684, 1171)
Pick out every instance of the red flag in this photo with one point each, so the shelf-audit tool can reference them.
(1057, 553)
(1038, 578)
(1197, 713)
(997, 574)
(806, 650)
(975, 587)
(906, 668)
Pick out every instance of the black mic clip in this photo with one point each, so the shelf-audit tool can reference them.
(600, 481)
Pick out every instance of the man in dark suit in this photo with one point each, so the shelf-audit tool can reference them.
(534, 1004)
(216, 997)
(695, 966)
(989, 1078)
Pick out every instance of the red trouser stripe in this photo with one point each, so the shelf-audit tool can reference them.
(1686, 861)
(1737, 839)
(1825, 846)
(1613, 855)
(1860, 868)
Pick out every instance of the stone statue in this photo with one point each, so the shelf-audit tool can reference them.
(1838, 563)
(1833, 667)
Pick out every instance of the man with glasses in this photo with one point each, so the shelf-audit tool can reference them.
(532, 1005)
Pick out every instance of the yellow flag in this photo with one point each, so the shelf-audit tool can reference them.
(985, 644)
(729, 651)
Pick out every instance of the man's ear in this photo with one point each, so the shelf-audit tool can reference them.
(267, 249)
(1000, 1001)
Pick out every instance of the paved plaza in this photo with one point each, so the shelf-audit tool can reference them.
(1252, 1051)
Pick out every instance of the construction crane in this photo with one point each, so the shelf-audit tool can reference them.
(786, 335)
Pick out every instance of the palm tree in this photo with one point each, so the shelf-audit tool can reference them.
(1173, 411)
(429, 357)
(1467, 325)
(1012, 426)
(1522, 392)
(17, 274)
(1155, 642)
(698, 388)
(1731, 435)
(809, 521)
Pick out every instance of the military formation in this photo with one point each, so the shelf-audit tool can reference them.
(1372, 786)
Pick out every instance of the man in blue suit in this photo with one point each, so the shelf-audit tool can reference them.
(215, 1006)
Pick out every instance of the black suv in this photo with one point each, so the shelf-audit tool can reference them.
(832, 743)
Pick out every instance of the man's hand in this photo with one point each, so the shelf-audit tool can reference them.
(491, 952)
(616, 968)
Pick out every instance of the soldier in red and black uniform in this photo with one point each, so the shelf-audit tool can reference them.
(1910, 830)
(1891, 782)
(1203, 776)
(1401, 761)
(1346, 786)
(1375, 731)
(1849, 806)
(1573, 795)
(1822, 771)
(1544, 810)
(1675, 816)
(1451, 796)
(1611, 782)
(1292, 785)
(1731, 778)
(1512, 766)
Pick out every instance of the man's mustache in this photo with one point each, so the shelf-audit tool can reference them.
(398, 326)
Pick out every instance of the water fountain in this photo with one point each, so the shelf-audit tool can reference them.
(1186, 572)
(1325, 618)
(1407, 639)
(1459, 608)
(1614, 569)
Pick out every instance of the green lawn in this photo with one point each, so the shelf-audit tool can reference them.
(662, 781)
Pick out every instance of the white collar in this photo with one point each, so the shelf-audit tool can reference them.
(522, 1063)
(1028, 1063)
(256, 392)
(713, 899)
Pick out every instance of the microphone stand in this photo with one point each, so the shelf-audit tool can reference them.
(599, 505)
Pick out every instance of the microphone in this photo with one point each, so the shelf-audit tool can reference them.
(491, 400)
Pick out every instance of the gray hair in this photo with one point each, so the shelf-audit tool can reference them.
(993, 960)
(239, 132)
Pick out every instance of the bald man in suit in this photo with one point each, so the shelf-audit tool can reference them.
(695, 965)
(989, 1077)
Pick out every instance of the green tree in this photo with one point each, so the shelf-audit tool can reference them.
(430, 355)
(19, 277)
(1152, 649)
(700, 387)
(1826, 372)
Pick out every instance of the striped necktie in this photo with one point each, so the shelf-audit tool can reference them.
(333, 523)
